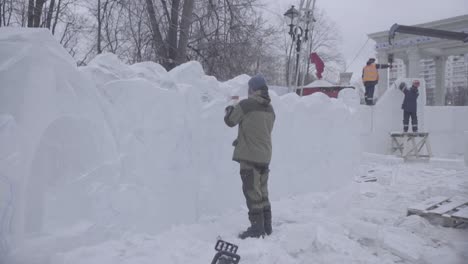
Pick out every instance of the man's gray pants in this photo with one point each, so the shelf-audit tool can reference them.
(255, 186)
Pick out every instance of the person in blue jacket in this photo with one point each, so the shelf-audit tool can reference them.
(410, 105)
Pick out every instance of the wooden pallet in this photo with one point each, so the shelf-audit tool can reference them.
(453, 211)
(411, 145)
(366, 178)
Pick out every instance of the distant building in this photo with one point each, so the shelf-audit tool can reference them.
(456, 78)
(442, 63)
(428, 73)
(397, 71)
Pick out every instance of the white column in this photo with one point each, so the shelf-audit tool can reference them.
(406, 63)
(414, 62)
(440, 63)
(382, 58)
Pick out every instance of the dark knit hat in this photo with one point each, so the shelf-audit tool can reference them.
(370, 61)
(257, 83)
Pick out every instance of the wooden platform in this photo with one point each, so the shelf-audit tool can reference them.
(368, 177)
(411, 145)
(453, 211)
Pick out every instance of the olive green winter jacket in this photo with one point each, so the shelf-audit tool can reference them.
(255, 117)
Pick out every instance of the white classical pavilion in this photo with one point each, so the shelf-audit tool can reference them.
(411, 49)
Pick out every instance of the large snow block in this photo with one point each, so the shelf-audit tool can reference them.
(403, 244)
(9, 157)
(53, 104)
(446, 125)
(111, 63)
(309, 141)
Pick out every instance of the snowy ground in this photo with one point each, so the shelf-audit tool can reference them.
(363, 223)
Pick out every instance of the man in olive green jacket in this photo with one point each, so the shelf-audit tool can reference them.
(255, 117)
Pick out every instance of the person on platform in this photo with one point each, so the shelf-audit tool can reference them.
(370, 78)
(410, 106)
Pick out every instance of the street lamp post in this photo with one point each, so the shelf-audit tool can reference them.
(298, 35)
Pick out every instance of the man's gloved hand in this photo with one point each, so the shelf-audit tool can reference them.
(228, 109)
(402, 86)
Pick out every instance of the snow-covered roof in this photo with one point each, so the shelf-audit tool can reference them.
(319, 83)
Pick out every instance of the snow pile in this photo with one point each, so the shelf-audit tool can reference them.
(350, 97)
(61, 133)
(446, 125)
(111, 148)
(107, 67)
(8, 165)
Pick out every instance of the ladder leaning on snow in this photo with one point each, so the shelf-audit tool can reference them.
(410, 145)
(452, 211)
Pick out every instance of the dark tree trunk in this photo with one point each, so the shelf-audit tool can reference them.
(158, 42)
(50, 13)
(172, 34)
(2, 13)
(59, 5)
(185, 23)
(38, 12)
(30, 13)
(99, 29)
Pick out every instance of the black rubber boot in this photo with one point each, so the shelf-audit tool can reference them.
(257, 228)
(267, 220)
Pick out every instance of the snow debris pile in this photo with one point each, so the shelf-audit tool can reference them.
(111, 148)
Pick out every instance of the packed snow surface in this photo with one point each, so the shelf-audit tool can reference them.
(365, 222)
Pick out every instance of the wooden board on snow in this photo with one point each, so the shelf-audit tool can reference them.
(425, 205)
(462, 213)
(453, 211)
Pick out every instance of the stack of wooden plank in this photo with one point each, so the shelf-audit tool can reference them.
(453, 211)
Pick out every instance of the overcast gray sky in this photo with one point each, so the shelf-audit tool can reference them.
(356, 18)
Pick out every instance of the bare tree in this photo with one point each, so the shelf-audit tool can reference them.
(31, 6)
(158, 43)
(171, 47)
(50, 13)
(228, 37)
(2, 12)
(138, 45)
(185, 23)
(57, 14)
(99, 25)
(13, 13)
(35, 12)
(6, 11)
(172, 34)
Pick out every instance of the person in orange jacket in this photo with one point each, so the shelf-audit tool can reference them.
(370, 78)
